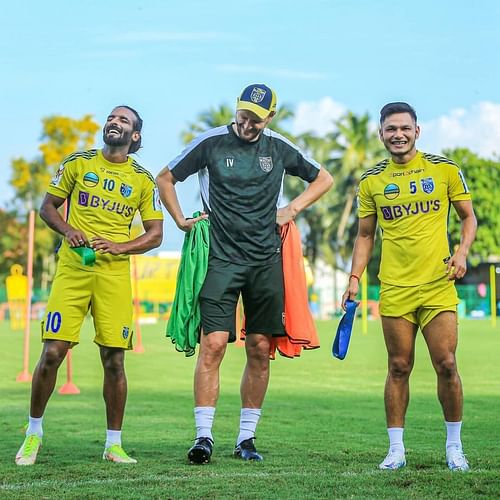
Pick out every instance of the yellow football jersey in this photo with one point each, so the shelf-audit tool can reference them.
(103, 198)
(412, 202)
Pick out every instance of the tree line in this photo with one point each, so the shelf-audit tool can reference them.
(328, 227)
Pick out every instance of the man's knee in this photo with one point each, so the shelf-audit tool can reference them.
(447, 366)
(213, 348)
(113, 361)
(400, 368)
(258, 348)
(52, 356)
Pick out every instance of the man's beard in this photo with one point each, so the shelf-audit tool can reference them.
(116, 140)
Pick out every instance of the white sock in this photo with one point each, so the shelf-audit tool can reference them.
(113, 437)
(453, 434)
(249, 418)
(396, 438)
(204, 420)
(35, 426)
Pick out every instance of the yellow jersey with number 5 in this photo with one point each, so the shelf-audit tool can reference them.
(102, 199)
(412, 203)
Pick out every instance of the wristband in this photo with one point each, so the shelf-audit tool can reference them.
(354, 276)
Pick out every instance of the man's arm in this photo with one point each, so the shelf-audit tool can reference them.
(317, 188)
(457, 265)
(168, 195)
(150, 239)
(361, 255)
(51, 216)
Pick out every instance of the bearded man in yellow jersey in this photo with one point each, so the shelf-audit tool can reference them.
(103, 190)
(409, 196)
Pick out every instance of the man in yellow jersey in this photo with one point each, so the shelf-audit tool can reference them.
(409, 195)
(103, 190)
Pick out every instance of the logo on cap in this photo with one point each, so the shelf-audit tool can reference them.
(257, 95)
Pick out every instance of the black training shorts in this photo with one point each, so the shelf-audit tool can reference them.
(261, 288)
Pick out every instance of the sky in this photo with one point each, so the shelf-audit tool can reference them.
(171, 60)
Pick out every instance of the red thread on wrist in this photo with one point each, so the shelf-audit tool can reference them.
(354, 276)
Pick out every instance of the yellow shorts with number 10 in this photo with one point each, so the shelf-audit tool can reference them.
(74, 292)
(418, 304)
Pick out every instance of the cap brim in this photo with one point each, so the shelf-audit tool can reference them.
(262, 113)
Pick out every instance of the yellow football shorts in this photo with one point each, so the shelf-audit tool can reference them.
(74, 292)
(420, 303)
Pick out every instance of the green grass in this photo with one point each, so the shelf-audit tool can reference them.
(322, 432)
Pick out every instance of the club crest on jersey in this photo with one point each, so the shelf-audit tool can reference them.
(391, 191)
(125, 190)
(427, 185)
(125, 332)
(57, 176)
(266, 163)
(257, 95)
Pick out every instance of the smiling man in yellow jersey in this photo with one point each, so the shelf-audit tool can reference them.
(104, 189)
(409, 196)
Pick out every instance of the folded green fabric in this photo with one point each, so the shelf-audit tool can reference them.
(184, 324)
(87, 255)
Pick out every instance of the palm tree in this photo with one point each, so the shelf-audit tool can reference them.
(346, 153)
(360, 149)
(319, 219)
(214, 117)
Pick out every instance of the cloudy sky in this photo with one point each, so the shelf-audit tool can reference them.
(171, 60)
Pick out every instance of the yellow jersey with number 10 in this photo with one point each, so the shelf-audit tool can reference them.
(103, 198)
(412, 203)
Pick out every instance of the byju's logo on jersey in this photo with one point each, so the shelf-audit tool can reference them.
(83, 198)
(391, 191)
(257, 95)
(125, 190)
(266, 163)
(427, 185)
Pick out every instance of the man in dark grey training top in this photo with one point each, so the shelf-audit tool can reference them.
(241, 169)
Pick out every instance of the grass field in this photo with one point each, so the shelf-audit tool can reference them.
(322, 433)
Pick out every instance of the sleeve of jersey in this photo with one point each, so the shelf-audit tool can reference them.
(150, 204)
(298, 164)
(63, 181)
(366, 204)
(189, 161)
(457, 187)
